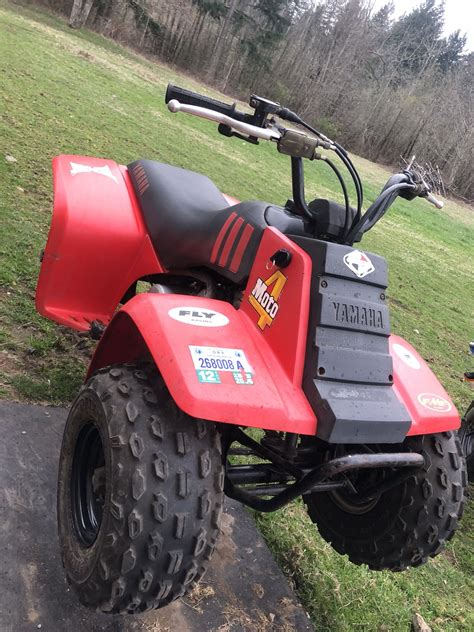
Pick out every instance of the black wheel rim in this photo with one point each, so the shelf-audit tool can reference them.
(351, 505)
(88, 485)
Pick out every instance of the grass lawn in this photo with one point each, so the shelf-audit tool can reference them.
(63, 91)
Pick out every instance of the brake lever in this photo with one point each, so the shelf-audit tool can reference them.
(421, 190)
(429, 197)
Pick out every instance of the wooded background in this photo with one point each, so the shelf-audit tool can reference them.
(385, 88)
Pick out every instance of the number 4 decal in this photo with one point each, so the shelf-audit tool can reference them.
(265, 302)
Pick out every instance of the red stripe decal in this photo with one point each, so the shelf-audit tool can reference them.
(230, 242)
(241, 246)
(221, 235)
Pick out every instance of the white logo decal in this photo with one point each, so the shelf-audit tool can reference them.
(435, 403)
(359, 263)
(407, 356)
(103, 171)
(344, 393)
(199, 317)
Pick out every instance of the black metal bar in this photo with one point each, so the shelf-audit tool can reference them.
(270, 490)
(258, 473)
(297, 181)
(266, 490)
(291, 441)
(265, 452)
(241, 452)
(367, 461)
(322, 472)
(376, 490)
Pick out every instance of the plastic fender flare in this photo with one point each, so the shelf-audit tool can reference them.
(430, 407)
(98, 244)
(266, 398)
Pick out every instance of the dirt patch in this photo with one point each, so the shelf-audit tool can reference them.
(29, 576)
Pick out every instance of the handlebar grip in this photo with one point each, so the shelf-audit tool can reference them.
(192, 98)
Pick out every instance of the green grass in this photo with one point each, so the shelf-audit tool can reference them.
(64, 91)
(341, 596)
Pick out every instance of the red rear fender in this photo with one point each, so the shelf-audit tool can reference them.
(97, 245)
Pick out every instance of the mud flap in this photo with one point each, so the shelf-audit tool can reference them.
(348, 370)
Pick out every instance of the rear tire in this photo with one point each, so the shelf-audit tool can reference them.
(139, 493)
(466, 437)
(407, 524)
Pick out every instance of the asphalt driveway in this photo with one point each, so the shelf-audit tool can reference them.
(243, 590)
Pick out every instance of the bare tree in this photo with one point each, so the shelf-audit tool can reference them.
(384, 87)
(79, 13)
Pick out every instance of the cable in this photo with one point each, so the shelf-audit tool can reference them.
(355, 179)
(344, 190)
(288, 115)
(341, 148)
(341, 152)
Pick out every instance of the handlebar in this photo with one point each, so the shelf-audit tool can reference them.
(403, 184)
(259, 125)
(187, 97)
(212, 115)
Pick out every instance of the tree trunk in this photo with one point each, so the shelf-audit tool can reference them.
(79, 13)
(221, 38)
(144, 32)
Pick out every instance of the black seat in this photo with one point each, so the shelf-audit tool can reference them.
(190, 222)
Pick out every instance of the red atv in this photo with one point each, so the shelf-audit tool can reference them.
(257, 317)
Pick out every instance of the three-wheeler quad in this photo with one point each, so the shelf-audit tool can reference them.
(256, 317)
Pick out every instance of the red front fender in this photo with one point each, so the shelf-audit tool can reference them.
(430, 407)
(216, 367)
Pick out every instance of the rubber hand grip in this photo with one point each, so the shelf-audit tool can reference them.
(192, 98)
